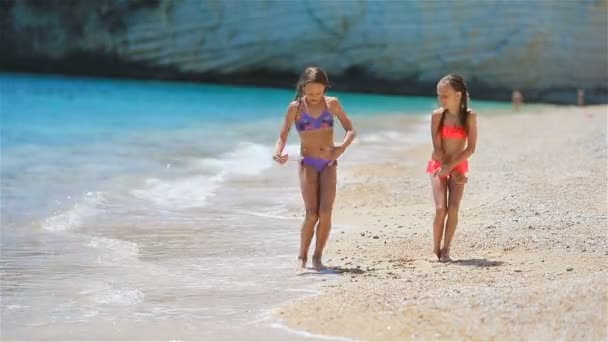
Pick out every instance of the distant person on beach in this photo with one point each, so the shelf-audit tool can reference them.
(313, 115)
(454, 136)
(580, 97)
(517, 99)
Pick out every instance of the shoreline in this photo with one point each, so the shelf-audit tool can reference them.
(522, 236)
(109, 68)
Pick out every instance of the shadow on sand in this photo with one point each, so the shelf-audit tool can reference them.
(478, 262)
(333, 270)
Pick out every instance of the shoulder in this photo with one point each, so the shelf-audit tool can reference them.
(293, 105)
(472, 115)
(334, 106)
(332, 102)
(437, 113)
(472, 118)
(292, 109)
(332, 99)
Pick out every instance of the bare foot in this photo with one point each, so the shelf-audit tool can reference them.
(301, 265)
(437, 252)
(317, 264)
(444, 255)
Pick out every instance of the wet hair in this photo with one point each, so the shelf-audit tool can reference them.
(458, 84)
(310, 75)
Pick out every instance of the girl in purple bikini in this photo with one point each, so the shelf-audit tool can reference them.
(313, 115)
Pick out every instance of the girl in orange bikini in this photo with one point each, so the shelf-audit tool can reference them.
(454, 135)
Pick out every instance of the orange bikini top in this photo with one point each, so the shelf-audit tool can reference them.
(453, 132)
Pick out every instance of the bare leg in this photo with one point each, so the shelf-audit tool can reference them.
(327, 195)
(456, 191)
(440, 186)
(309, 185)
(458, 177)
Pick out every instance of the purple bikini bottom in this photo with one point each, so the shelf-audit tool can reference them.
(318, 163)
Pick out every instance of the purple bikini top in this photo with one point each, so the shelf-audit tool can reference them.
(309, 123)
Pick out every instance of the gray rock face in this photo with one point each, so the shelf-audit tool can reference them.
(546, 48)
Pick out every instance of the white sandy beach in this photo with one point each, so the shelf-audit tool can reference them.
(529, 253)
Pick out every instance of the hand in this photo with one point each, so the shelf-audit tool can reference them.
(335, 151)
(443, 171)
(281, 158)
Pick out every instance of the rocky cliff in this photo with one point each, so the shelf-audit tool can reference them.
(546, 48)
